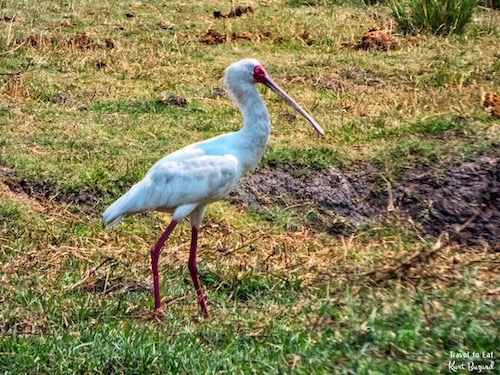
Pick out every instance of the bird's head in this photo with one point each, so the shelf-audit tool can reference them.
(241, 72)
(248, 72)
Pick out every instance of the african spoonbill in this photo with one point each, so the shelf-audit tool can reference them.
(187, 180)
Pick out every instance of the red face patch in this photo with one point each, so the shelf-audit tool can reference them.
(259, 74)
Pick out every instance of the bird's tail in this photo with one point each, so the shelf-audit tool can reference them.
(117, 211)
(133, 201)
(112, 216)
(112, 222)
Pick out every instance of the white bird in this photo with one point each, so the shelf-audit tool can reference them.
(187, 180)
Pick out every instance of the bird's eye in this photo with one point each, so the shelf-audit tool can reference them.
(259, 74)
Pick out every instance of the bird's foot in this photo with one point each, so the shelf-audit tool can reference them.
(158, 315)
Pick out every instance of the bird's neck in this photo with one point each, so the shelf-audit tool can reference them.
(256, 128)
(256, 123)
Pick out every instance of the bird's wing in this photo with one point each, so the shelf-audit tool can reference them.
(174, 183)
(188, 176)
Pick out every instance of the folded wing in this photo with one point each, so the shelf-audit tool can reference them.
(176, 181)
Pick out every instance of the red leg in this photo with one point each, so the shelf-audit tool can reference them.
(193, 270)
(155, 255)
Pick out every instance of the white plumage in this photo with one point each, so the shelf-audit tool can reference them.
(179, 185)
(185, 181)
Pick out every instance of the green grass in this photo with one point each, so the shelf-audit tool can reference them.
(437, 17)
(79, 126)
(304, 160)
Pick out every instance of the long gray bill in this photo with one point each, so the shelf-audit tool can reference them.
(283, 95)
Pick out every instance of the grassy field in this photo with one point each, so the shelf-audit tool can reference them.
(81, 120)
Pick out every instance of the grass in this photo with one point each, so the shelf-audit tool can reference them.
(80, 125)
(437, 17)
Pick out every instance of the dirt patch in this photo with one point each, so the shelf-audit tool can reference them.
(172, 99)
(305, 36)
(467, 193)
(379, 39)
(18, 195)
(48, 191)
(330, 190)
(491, 102)
(238, 12)
(39, 41)
(213, 37)
(81, 42)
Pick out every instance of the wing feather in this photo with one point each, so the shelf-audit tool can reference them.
(201, 179)
(197, 174)
(176, 181)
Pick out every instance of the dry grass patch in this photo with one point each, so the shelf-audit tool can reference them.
(14, 85)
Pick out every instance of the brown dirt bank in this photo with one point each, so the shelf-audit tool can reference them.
(436, 200)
